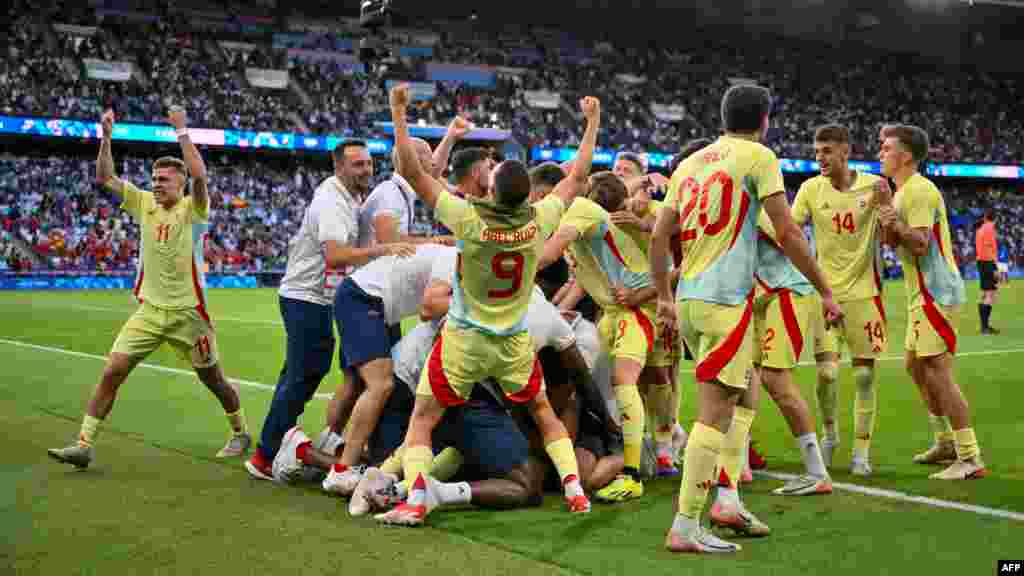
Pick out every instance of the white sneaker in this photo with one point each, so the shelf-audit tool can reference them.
(422, 500)
(860, 467)
(828, 446)
(972, 469)
(699, 541)
(287, 469)
(328, 442)
(805, 485)
(373, 481)
(343, 483)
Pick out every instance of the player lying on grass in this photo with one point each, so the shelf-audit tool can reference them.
(170, 287)
(499, 240)
(613, 270)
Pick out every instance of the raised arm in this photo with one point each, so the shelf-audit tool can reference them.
(457, 129)
(571, 187)
(193, 161)
(426, 186)
(556, 245)
(105, 175)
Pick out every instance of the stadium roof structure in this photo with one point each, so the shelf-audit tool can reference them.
(953, 31)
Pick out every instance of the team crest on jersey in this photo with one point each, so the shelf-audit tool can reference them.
(862, 202)
(748, 377)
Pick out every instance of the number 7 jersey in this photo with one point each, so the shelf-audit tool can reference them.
(497, 261)
(717, 194)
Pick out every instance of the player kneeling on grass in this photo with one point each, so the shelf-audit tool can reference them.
(782, 312)
(170, 287)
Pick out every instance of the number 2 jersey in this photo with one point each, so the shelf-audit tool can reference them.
(499, 250)
(846, 233)
(717, 194)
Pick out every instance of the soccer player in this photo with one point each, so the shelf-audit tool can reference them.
(782, 311)
(714, 200)
(369, 307)
(916, 222)
(170, 287)
(842, 207)
(986, 251)
(471, 170)
(499, 241)
(614, 271)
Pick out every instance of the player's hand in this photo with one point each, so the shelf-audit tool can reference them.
(444, 240)
(399, 96)
(883, 193)
(666, 317)
(833, 314)
(591, 108)
(570, 315)
(177, 118)
(459, 127)
(887, 215)
(623, 296)
(107, 120)
(400, 249)
(626, 218)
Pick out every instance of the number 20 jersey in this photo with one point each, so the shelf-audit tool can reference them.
(717, 194)
(497, 263)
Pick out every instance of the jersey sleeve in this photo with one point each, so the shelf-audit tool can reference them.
(801, 209)
(135, 201)
(585, 216)
(454, 212)
(671, 200)
(919, 206)
(384, 200)
(548, 212)
(444, 266)
(554, 330)
(768, 175)
(330, 225)
(200, 212)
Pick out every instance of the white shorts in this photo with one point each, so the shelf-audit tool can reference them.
(1003, 267)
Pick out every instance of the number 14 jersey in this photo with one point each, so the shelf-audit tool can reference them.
(846, 233)
(497, 263)
(717, 194)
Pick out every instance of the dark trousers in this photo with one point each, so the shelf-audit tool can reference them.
(308, 360)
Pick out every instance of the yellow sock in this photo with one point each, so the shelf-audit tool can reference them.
(631, 407)
(943, 429)
(393, 463)
(966, 444)
(662, 400)
(416, 461)
(734, 445)
(563, 456)
(90, 429)
(446, 464)
(700, 462)
(237, 421)
(827, 391)
(864, 406)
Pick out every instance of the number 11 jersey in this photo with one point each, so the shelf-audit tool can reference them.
(717, 194)
(497, 262)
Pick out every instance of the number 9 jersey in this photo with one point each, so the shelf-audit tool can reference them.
(717, 194)
(497, 264)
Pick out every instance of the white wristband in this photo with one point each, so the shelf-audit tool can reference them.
(181, 132)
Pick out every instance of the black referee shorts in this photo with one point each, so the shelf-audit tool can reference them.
(987, 274)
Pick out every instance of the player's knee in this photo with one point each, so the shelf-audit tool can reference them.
(828, 372)
(117, 369)
(864, 377)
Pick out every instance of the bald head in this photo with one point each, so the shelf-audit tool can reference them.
(423, 152)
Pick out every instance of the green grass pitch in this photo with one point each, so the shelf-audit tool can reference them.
(156, 501)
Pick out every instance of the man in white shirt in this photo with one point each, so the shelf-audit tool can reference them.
(325, 239)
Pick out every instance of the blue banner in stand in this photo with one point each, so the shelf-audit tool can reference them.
(56, 281)
(605, 157)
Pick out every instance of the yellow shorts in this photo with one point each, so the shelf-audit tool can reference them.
(631, 333)
(781, 323)
(189, 332)
(863, 329)
(462, 357)
(721, 339)
(932, 329)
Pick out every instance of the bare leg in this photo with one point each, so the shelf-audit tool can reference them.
(119, 366)
(378, 376)
(213, 378)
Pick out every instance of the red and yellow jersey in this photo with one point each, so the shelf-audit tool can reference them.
(717, 194)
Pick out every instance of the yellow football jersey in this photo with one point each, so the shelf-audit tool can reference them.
(846, 233)
(171, 268)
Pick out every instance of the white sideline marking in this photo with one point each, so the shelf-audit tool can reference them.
(129, 311)
(903, 496)
(156, 367)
